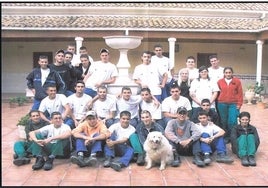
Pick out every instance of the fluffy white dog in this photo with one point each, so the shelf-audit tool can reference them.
(158, 150)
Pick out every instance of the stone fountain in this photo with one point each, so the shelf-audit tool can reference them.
(123, 43)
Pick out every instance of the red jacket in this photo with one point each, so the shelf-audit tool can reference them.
(232, 93)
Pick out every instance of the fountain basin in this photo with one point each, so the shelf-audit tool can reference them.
(123, 42)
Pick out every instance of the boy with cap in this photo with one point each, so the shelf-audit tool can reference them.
(89, 137)
(100, 73)
(184, 137)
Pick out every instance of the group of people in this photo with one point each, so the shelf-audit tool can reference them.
(72, 111)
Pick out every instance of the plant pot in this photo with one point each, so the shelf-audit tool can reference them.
(249, 95)
(21, 132)
(261, 105)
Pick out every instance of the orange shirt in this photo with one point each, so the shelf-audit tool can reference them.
(90, 131)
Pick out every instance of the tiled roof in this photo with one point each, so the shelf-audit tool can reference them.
(149, 22)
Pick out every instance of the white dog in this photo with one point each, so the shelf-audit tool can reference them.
(158, 150)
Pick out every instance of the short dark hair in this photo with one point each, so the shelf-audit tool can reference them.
(146, 89)
(125, 88)
(175, 85)
(102, 87)
(146, 52)
(79, 82)
(202, 113)
(228, 68)
(125, 113)
(212, 56)
(67, 52)
(84, 56)
(55, 113)
(244, 114)
(158, 46)
(43, 57)
(190, 57)
(33, 111)
(205, 101)
(83, 48)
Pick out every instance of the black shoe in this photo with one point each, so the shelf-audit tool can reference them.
(198, 161)
(91, 161)
(48, 164)
(244, 161)
(223, 158)
(39, 163)
(140, 160)
(107, 162)
(177, 161)
(79, 160)
(21, 161)
(117, 166)
(251, 160)
(207, 159)
(15, 156)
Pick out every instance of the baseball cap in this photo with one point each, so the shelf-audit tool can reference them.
(91, 113)
(104, 50)
(60, 51)
(181, 109)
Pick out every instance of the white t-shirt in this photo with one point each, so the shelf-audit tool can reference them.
(44, 75)
(203, 89)
(53, 105)
(149, 75)
(170, 105)
(51, 131)
(163, 63)
(156, 111)
(121, 132)
(100, 72)
(215, 74)
(78, 105)
(132, 105)
(76, 59)
(103, 108)
(211, 128)
(193, 73)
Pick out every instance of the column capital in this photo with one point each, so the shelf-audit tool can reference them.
(79, 38)
(259, 42)
(171, 39)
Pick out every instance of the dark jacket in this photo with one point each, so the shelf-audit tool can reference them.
(53, 78)
(238, 130)
(143, 132)
(34, 126)
(212, 114)
(79, 71)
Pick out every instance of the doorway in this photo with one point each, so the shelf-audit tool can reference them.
(203, 59)
(36, 56)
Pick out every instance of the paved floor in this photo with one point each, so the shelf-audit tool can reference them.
(66, 174)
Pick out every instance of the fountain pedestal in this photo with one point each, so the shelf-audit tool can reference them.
(123, 44)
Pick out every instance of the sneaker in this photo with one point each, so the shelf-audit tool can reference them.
(251, 160)
(140, 160)
(117, 166)
(107, 162)
(79, 160)
(177, 161)
(48, 164)
(91, 161)
(39, 163)
(207, 159)
(223, 158)
(21, 161)
(244, 161)
(198, 161)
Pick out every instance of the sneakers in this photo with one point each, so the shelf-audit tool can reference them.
(48, 164)
(198, 161)
(91, 161)
(117, 166)
(244, 161)
(79, 160)
(21, 161)
(140, 160)
(39, 163)
(251, 160)
(176, 162)
(207, 159)
(223, 158)
(107, 162)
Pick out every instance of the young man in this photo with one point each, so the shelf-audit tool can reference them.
(245, 140)
(100, 73)
(150, 76)
(184, 137)
(51, 141)
(89, 138)
(56, 103)
(82, 68)
(190, 65)
(212, 114)
(211, 139)
(20, 147)
(117, 144)
(215, 71)
(163, 63)
(40, 78)
(82, 51)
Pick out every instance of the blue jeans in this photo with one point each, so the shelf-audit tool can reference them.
(228, 116)
(90, 92)
(93, 147)
(125, 151)
(68, 93)
(36, 104)
(218, 143)
(193, 149)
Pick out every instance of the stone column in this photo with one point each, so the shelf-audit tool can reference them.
(79, 41)
(172, 51)
(259, 60)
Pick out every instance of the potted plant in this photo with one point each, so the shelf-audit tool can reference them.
(19, 100)
(21, 125)
(12, 102)
(258, 89)
(249, 94)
